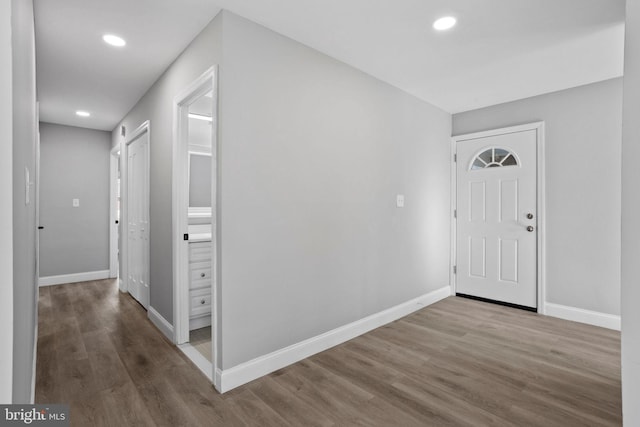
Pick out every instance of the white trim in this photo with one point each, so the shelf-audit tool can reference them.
(73, 278)
(37, 197)
(160, 322)
(452, 214)
(207, 82)
(32, 397)
(541, 197)
(198, 359)
(124, 229)
(263, 365)
(7, 362)
(542, 220)
(113, 199)
(34, 363)
(595, 318)
(124, 209)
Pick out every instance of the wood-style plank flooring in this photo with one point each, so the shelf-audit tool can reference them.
(456, 363)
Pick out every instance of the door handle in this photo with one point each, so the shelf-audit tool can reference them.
(530, 228)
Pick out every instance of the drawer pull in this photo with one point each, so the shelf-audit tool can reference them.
(202, 274)
(202, 301)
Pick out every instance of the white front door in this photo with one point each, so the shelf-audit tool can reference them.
(497, 217)
(138, 218)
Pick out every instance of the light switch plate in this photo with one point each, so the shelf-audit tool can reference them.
(400, 200)
(76, 203)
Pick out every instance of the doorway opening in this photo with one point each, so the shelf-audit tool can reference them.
(195, 237)
(497, 207)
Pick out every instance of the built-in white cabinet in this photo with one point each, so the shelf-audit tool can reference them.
(199, 284)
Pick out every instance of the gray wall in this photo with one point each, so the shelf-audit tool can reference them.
(630, 223)
(74, 164)
(6, 211)
(583, 142)
(157, 106)
(24, 219)
(313, 153)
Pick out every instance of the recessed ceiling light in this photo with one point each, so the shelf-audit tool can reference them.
(114, 40)
(83, 113)
(444, 23)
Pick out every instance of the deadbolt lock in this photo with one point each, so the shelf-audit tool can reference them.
(530, 216)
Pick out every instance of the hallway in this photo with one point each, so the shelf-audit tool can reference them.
(98, 351)
(457, 362)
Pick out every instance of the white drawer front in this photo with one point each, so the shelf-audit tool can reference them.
(199, 253)
(199, 265)
(200, 284)
(201, 274)
(200, 302)
(200, 245)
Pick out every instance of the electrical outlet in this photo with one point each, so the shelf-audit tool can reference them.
(76, 203)
(400, 200)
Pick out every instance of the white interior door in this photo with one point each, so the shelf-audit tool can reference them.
(138, 218)
(497, 218)
(114, 214)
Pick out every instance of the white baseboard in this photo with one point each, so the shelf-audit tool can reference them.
(241, 374)
(73, 278)
(594, 318)
(198, 359)
(161, 323)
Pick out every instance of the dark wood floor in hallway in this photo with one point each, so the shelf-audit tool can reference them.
(458, 362)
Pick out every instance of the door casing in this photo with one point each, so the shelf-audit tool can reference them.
(540, 199)
(207, 82)
(113, 199)
(124, 153)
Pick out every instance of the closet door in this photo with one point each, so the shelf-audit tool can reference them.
(138, 218)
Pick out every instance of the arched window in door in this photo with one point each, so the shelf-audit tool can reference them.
(494, 158)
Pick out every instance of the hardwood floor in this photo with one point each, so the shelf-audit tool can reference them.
(458, 362)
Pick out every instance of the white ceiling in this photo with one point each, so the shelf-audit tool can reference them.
(501, 50)
(76, 70)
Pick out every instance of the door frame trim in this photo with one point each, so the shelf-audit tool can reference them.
(540, 200)
(124, 218)
(113, 198)
(208, 81)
